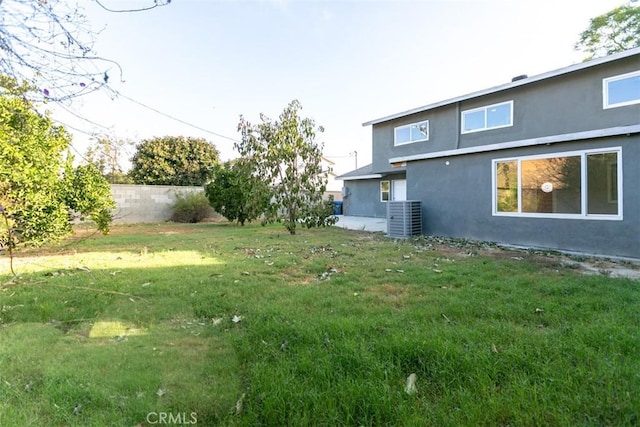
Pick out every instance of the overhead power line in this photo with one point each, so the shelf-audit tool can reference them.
(81, 117)
(71, 145)
(175, 118)
(66, 125)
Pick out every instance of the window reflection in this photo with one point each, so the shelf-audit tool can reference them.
(562, 196)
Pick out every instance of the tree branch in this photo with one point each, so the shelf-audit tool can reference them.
(104, 291)
(156, 4)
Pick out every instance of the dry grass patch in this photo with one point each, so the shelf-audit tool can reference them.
(389, 294)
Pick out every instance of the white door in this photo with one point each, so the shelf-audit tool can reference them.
(399, 189)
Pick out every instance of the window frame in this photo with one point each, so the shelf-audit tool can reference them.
(388, 191)
(611, 196)
(395, 134)
(605, 90)
(583, 181)
(485, 109)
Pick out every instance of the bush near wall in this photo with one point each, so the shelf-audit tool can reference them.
(191, 207)
(146, 203)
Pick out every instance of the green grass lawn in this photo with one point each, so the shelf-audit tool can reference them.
(223, 325)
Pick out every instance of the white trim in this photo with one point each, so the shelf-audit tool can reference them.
(610, 195)
(410, 125)
(394, 189)
(517, 83)
(486, 115)
(544, 140)
(357, 177)
(583, 186)
(494, 184)
(605, 90)
(387, 191)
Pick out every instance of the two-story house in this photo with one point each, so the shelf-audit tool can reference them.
(551, 160)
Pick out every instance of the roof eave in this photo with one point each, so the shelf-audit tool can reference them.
(357, 177)
(509, 85)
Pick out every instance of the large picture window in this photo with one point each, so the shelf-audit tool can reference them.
(413, 132)
(618, 91)
(489, 117)
(571, 185)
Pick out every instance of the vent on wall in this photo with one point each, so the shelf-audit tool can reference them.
(404, 218)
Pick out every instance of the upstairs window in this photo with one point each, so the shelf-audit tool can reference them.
(489, 117)
(413, 132)
(618, 91)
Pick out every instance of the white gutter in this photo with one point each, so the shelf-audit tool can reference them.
(600, 133)
(354, 178)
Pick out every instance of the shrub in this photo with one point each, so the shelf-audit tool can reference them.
(237, 193)
(87, 193)
(191, 207)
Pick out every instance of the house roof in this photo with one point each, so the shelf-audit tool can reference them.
(522, 82)
(365, 172)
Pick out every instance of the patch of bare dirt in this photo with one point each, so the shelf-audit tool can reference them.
(607, 267)
(545, 258)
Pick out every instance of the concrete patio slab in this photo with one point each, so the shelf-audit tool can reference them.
(362, 223)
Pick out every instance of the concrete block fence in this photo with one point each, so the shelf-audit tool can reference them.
(145, 203)
(152, 203)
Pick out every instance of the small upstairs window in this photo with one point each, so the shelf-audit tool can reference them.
(618, 91)
(489, 117)
(410, 133)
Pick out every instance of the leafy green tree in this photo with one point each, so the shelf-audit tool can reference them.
(614, 31)
(237, 193)
(31, 151)
(33, 192)
(286, 155)
(87, 193)
(174, 160)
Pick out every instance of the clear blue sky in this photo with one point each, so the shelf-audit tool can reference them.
(207, 62)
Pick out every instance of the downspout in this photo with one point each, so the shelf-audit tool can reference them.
(457, 125)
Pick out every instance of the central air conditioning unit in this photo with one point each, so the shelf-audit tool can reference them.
(404, 218)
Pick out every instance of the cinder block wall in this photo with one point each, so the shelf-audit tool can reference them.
(145, 203)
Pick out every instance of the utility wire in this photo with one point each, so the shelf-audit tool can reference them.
(93, 134)
(77, 130)
(175, 118)
(66, 125)
(79, 116)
